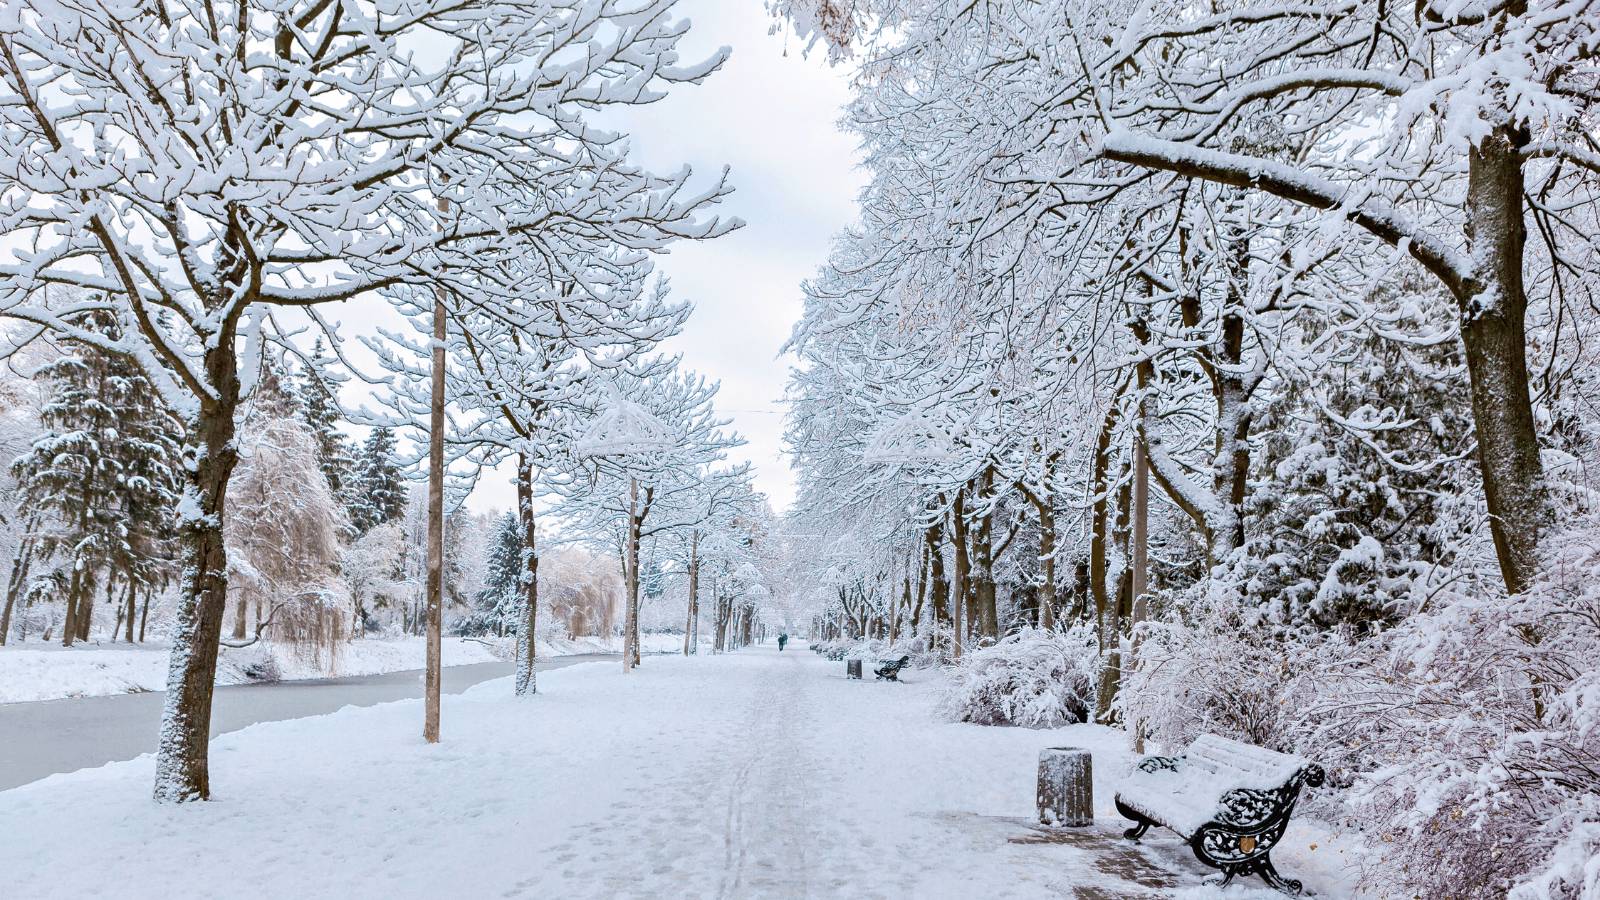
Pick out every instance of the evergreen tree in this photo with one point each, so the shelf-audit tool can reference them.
(106, 473)
(495, 607)
(379, 490)
(320, 409)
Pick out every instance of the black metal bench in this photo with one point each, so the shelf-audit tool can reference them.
(1230, 801)
(891, 671)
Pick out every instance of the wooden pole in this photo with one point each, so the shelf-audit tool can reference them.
(430, 721)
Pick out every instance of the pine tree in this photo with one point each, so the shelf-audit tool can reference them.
(495, 607)
(320, 409)
(379, 490)
(106, 473)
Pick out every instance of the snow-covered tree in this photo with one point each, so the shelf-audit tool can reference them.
(283, 541)
(101, 485)
(201, 167)
(377, 493)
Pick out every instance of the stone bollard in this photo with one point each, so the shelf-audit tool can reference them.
(1066, 787)
(852, 668)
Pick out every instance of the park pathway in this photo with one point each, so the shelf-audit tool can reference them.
(752, 775)
(797, 789)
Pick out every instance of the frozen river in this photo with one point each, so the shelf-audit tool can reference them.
(39, 739)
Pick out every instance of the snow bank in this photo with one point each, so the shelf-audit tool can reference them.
(40, 672)
(51, 672)
(752, 774)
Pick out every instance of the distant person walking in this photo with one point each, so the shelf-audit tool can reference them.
(782, 639)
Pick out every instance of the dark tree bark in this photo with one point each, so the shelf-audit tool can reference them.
(182, 772)
(1494, 334)
(939, 582)
(527, 639)
(690, 628)
(20, 565)
(963, 580)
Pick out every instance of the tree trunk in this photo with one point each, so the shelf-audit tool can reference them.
(240, 613)
(1495, 338)
(1047, 560)
(69, 627)
(527, 644)
(144, 611)
(19, 576)
(182, 772)
(922, 591)
(86, 605)
(128, 602)
(431, 676)
(694, 594)
(939, 582)
(986, 616)
(963, 579)
(631, 570)
(1100, 525)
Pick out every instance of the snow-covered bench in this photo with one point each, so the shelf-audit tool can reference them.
(891, 670)
(1230, 801)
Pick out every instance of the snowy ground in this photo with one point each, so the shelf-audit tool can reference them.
(41, 671)
(755, 774)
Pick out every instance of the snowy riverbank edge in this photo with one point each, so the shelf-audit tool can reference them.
(33, 672)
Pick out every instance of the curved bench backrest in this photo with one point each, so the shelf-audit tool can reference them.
(1238, 765)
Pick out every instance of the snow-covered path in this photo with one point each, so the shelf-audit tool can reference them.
(749, 775)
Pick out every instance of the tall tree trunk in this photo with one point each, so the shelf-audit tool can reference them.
(240, 614)
(963, 579)
(1100, 522)
(1111, 671)
(938, 581)
(922, 590)
(1047, 562)
(1494, 334)
(182, 770)
(987, 617)
(430, 690)
(631, 570)
(694, 593)
(86, 604)
(69, 628)
(128, 601)
(144, 610)
(20, 565)
(527, 643)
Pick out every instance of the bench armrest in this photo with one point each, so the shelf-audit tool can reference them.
(1154, 764)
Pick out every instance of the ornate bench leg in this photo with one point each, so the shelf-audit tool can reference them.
(1290, 886)
(1141, 825)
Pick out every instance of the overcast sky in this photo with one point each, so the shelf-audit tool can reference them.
(770, 118)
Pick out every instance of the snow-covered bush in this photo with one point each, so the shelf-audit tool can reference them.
(1479, 733)
(1216, 677)
(1034, 678)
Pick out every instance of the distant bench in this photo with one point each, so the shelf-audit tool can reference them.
(891, 671)
(1230, 801)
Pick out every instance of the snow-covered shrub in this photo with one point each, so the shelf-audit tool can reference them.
(1224, 674)
(1480, 734)
(1034, 678)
